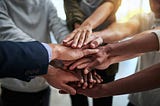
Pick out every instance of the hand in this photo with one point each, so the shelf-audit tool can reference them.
(95, 92)
(66, 53)
(88, 81)
(79, 36)
(60, 79)
(94, 40)
(100, 60)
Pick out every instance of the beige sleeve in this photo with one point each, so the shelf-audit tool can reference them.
(157, 32)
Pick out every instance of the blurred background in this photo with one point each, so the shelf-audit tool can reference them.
(127, 9)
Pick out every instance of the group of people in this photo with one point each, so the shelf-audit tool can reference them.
(86, 59)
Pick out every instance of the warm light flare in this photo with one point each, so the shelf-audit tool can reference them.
(129, 8)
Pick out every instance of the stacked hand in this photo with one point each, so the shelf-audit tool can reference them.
(80, 60)
(81, 36)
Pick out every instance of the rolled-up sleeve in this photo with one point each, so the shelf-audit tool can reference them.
(56, 24)
(157, 33)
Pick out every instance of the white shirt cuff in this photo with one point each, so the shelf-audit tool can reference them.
(49, 50)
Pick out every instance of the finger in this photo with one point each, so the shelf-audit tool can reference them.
(99, 77)
(90, 85)
(86, 47)
(79, 84)
(88, 33)
(81, 39)
(85, 82)
(95, 76)
(68, 44)
(95, 43)
(70, 36)
(79, 72)
(68, 63)
(76, 64)
(90, 67)
(82, 66)
(76, 39)
(90, 77)
(91, 38)
(68, 89)
(90, 51)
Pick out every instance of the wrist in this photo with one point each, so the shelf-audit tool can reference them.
(110, 53)
(55, 51)
(87, 24)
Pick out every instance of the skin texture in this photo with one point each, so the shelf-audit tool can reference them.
(66, 53)
(59, 79)
(145, 80)
(117, 52)
(82, 33)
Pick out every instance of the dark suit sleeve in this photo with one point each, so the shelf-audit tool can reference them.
(22, 60)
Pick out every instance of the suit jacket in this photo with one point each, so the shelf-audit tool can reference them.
(22, 60)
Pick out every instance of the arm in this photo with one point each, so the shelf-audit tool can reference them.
(8, 29)
(22, 60)
(80, 36)
(116, 52)
(119, 30)
(32, 58)
(56, 25)
(130, 48)
(100, 14)
(144, 80)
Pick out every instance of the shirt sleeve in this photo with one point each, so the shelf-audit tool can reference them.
(56, 24)
(157, 33)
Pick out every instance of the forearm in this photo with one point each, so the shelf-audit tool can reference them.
(145, 80)
(118, 31)
(138, 44)
(56, 24)
(100, 15)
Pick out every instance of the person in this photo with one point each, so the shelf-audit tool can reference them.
(138, 23)
(145, 80)
(25, 21)
(83, 16)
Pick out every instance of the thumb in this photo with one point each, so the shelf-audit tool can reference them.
(91, 66)
(69, 89)
(96, 42)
